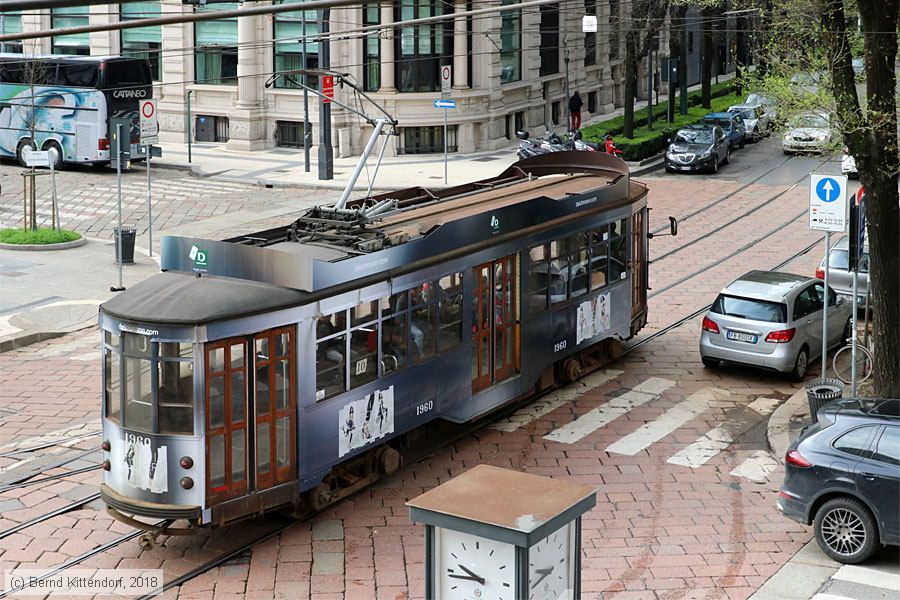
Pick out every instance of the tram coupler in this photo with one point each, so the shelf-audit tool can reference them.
(152, 530)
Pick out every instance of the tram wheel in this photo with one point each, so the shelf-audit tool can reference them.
(388, 461)
(571, 370)
(320, 497)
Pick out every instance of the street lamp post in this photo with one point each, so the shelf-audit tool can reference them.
(326, 154)
(568, 110)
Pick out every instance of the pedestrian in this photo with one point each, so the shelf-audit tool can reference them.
(575, 104)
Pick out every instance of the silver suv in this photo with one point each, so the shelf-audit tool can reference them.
(773, 321)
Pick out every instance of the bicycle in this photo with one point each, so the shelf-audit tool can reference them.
(865, 361)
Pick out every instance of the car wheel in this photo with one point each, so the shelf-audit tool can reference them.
(848, 331)
(669, 169)
(715, 164)
(801, 365)
(846, 531)
(743, 142)
(710, 363)
(20, 150)
(727, 160)
(756, 136)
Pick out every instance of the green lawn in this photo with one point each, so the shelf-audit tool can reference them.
(41, 236)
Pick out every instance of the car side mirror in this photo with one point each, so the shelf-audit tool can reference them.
(840, 301)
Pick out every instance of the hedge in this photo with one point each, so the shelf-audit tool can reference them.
(41, 236)
(649, 143)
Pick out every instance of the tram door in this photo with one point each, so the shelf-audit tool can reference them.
(274, 401)
(226, 420)
(638, 274)
(495, 323)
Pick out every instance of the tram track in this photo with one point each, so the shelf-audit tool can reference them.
(67, 442)
(49, 515)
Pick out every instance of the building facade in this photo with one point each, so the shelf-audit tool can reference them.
(508, 69)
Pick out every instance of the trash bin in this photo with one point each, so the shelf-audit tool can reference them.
(820, 392)
(128, 235)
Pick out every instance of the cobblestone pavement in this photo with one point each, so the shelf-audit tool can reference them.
(87, 198)
(686, 486)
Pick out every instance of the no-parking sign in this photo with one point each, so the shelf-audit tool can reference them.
(149, 123)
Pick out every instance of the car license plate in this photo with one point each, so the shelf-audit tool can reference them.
(742, 337)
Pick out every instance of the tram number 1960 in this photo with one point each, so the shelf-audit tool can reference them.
(130, 438)
(421, 409)
(559, 346)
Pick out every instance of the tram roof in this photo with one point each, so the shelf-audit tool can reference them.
(187, 298)
(404, 229)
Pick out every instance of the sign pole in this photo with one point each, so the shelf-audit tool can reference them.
(853, 342)
(825, 310)
(119, 195)
(55, 217)
(445, 146)
(149, 204)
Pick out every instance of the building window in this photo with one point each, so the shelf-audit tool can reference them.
(289, 134)
(428, 140)
(549, 49)
(422, 49)
(511, 44)
(592, 102)
(590, 38)
(291, 29)
(142, 42)
(10, 23)
(372, 49)
(520, 121)
(216, 53)
(613, 29)
(554, 112)
(211, 129)
(76, 43)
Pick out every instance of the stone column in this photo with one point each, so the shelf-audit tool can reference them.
(387, 50)
(248, 86)
(460, 49)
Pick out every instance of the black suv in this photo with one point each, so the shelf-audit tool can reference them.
(843, 474)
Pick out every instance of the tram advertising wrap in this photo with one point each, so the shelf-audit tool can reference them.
(363, 421)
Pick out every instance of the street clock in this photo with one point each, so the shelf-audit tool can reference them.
(498, 534)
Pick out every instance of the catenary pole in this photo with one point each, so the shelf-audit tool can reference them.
(306, 140)
(326, 154)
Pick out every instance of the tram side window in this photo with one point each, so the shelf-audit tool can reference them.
(618, 247)
(599, 258)
(138, 383)
(537, 282)
(364, 344)
(559, 267)
(422, 318)
(450, 311)
(578, 245)
(331, 354)
(112, 375)
(394, 343)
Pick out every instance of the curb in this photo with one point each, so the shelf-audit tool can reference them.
(778, 428)
(648, 168)
(45, 247)
(27, 339)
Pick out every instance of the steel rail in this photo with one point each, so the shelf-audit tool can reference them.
(62, 442)
(59, 511)
(55, 465)
(48, 478)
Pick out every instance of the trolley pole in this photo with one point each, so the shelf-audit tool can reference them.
(149, 204)
(825, 309)
(119, 195)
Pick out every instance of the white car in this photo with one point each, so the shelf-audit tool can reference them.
(810, 132)
(756, 120)
(848, 165)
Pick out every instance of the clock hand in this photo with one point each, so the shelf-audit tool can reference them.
(472, 574)
(546, 571)
(467, 578)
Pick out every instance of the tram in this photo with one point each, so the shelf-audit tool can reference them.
(287, 367)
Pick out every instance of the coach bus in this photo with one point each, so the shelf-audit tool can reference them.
(64, 104)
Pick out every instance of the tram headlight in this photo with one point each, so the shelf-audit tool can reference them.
(186, 462)
(186, 482)
(105, 465)
(105, 446)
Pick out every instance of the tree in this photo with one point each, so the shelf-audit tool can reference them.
(647, 18)
(813, 37)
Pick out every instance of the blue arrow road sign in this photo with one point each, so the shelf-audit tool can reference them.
(445, 103)
(828, 189)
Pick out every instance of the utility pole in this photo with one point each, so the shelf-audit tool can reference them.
(683, 68)
(306, 132)
(326, 154)
(650, 85)
(568, 97)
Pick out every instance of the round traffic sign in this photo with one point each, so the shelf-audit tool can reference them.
(445, 73)
(828, 189)
(147, 109)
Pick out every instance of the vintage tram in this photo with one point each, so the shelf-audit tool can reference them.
(287, 366)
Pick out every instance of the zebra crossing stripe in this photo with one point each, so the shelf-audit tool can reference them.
(868, 576)
(756, 468)
(717, 439)
(650, 433)
(552, 401)
(596, 418)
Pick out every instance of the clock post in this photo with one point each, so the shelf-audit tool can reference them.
(504, 535)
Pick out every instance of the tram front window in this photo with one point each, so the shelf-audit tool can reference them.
(138, 383)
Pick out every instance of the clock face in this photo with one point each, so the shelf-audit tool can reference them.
(473, 568)
(549, 566)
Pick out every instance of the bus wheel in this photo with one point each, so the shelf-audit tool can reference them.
(56, 153)
(20, 150)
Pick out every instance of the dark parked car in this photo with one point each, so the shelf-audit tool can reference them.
(698, 147)
(732, 124)
(842, 474)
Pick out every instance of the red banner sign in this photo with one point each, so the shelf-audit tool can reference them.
(327, 87)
